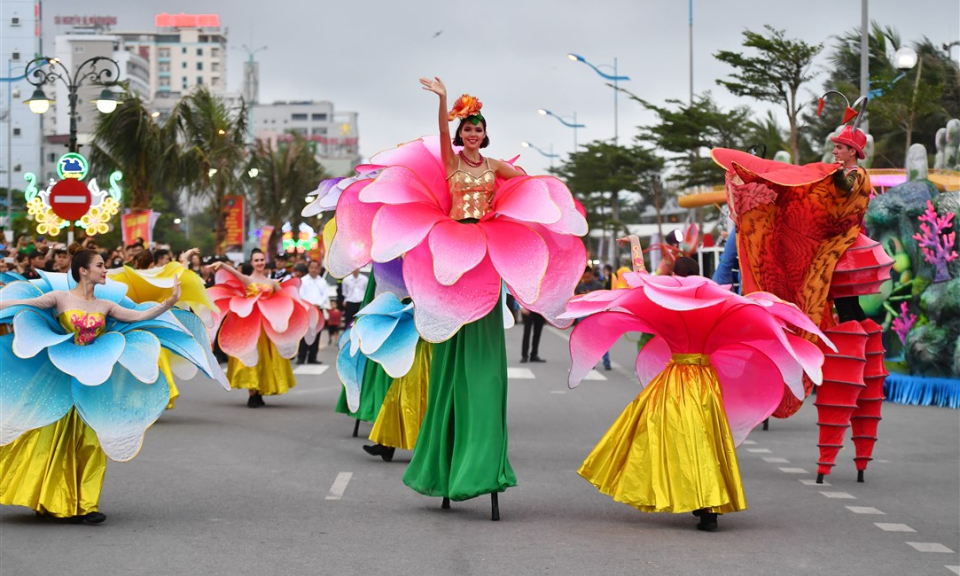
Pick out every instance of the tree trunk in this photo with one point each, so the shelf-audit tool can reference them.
(792, 114)
(220, 233)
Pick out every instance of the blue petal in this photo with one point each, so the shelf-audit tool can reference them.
(350, 369)
(195, 325)
(113, 291)
(396, 355)
(33, 394)
(8, 277)
(90, 364)
(120, 410)
(33, 334)
(373, 331)
(141, 356)
(17, 291)
(385, 303)
(389, 277)
(183, 344)
(354, 340)
(56, 280)
(165, 320)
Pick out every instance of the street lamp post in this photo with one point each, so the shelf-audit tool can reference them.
(99, 70)
(615, 78)
(562, 120)
(549, 155)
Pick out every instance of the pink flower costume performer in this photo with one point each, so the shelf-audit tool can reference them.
(261, 328)
(713, 371)
(463, 224)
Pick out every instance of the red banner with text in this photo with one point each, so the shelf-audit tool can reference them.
(137, 224)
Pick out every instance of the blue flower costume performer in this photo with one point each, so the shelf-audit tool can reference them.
(81, 383)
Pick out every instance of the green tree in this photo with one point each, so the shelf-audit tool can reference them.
(146, 152)
(286, 175)
(774, 73)
(600, 173)
(214, 152)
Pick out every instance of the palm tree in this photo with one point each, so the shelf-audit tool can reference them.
(286, 174)
(146, 152)
(214, 152)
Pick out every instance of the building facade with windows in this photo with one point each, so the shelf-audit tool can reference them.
(334, 134)
(20, 130)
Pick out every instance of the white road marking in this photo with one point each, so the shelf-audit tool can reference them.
(776, 460)
(61, 199)
(839, 495)
(881, 461)
(865, 510)
(311, 369)
(339, 485)
(893, 527)
(558, 391)
(930, 547)
(793, 471)
(748, 443)
(594, 375)
(812, 482)
(520, 374)
(954, 569)
(758, 450)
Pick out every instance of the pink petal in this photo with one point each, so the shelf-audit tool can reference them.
(595, 335)
(242, 305)
(287, 341)
(527, 200)
(221, 292)
(398, 228)
(442, 310)
(276, 309)
(652, 360)
(350, 248)
(397, 185)
(565, 264)
(593, 302)
(752, 388)
(422, 157)
(456, 248)
(789, 314)
(238, 337)
(572, 220)
(682, 294)
(519, 254)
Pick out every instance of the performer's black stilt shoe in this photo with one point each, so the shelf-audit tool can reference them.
(495, 507)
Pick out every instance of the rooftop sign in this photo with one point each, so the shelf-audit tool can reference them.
(182, 20)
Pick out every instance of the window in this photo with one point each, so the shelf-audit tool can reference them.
(215, 66)
(51, 157)
(79, 49)
(18, 167)
(164, 53)
(318, 116)
(319, 131)
(183, 50)
(199, 80)
(15, 21)
(15, 55)
(16, 131)
(215, 52)
(183, 84)
(183, 65)
(199, 65)
(199, 51)
(165, 82)
(296, 117)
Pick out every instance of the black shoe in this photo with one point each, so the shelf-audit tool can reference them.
(299, 361)
(314, 361)
(94, 517)
(708, 521)
(387, 454)
(255, 401)
(607, 368)
(524, 360)
(537, 359)
(495, 507)
(445, 503)
(374, 449)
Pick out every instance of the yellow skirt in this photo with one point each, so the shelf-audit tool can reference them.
(671, 449)
(400, 417)
(56, 470)
(168, 374)
(271, 376)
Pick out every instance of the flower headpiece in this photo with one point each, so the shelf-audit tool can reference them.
(468, 107)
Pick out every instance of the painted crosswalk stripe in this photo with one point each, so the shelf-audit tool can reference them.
(930, 547)
(520, 374)
(812, 482)
(758, 450)
(865, 510)
(839, 495)
(339, 485)
(558, 391)
(793, 471)
(776, 460)
(594, 375)
(311, 369)
(954, 569)
(893, 527)
(748, 443)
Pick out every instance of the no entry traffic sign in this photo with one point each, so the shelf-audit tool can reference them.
(70, 199)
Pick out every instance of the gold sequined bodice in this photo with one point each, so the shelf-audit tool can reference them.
(472, 195)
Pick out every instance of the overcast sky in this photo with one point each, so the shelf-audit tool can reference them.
(366, 56)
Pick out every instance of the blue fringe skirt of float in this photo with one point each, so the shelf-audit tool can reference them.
(922, 391)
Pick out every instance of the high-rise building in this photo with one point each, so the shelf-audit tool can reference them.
(186, 51)
(334, 134)
(20, 134)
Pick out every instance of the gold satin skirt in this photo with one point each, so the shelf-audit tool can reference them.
(271, 376)
(56, 470)
(671, 449)
(398, 422)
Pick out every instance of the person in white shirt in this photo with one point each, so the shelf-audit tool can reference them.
(354, 289)
(313, 289)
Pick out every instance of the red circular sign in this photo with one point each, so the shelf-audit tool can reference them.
(70, 199)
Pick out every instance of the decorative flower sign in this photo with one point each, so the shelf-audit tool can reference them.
(305, 241)
(71, 201)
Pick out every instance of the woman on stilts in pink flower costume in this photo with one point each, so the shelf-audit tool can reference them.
(463, 225)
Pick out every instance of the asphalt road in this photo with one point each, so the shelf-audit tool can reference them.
(222, 489)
